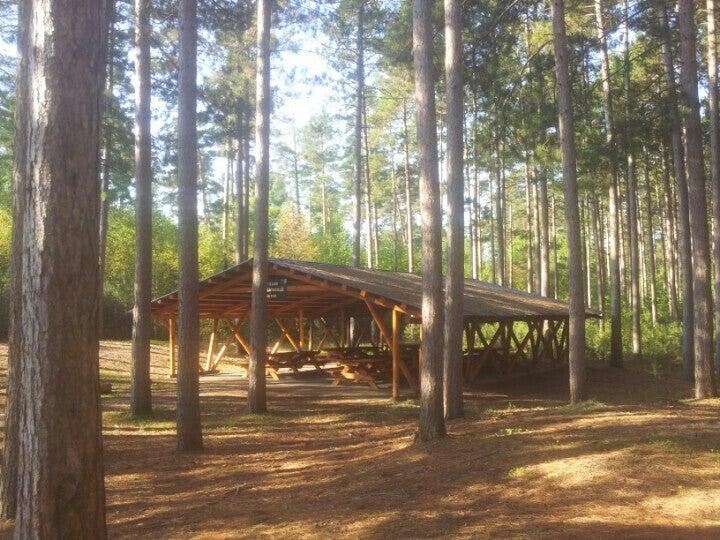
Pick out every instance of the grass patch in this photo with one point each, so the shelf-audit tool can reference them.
(258, 421)
(584, 406)
(517, 473)
(162, 419)
(511, 431)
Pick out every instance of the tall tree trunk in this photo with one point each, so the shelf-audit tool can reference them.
(60, 491)
(408, 199)
(105, 170)
(652, 263)
(499, 211)
(529, 227)
(704, 372)
(246, 190)
(634, 254)
(669, 241)
(360, 81)
(189, 429)
(140, 394)
(455, 284)
(239, 189)
(576, 344)
(226, 202)
(543, 236)
(296, 170)
(256, 398)
(600, 258)
(395, 209)
(432, 422)
(554, 247)
(715, 162)
(616, 353)
(683, 224)
(633, 213)
(369, 203)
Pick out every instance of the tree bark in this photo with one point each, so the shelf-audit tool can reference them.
(60, 491)
(239, 189)
(634, 254)
(189, 429)
(105, 171)
(455, 284)
(652, 263)
(257, 402)
(576, 344)
(683, 224)
(360, 81)
(432, 421)
(246, 172)
(616, 353)
(703, 327)
(408, 199)
(669, 241)
(140, 393)
(714, 162)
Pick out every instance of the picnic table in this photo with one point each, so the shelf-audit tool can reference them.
(293, 360)
(359, 365)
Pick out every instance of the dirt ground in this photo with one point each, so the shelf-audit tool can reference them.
(640, 460)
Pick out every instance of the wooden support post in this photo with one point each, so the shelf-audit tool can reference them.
(171, 346)
(379, 323)
(310, 334)
(211, 346)
(343, 329)
(396, 354)
(301, 328)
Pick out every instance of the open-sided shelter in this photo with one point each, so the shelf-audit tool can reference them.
(317, 305)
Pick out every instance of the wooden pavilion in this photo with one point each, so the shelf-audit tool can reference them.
(315, 305)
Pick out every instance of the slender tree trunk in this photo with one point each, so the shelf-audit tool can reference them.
(246, 190)
(493, 220)
(652, 262)
(544, 242)
(360, 81)
(529, 226)
(296, 170)
(395, 209)
(702, 299)
(60, 491)
(586, 253)
(105, 169)
(714, 162)
(499, 212)
(616, 353)
(567, 146)
(635, 289)
(432, 421)
(239, 189)
(256, 400)
(189, 429)
(408, 199)
(455, 284)
(555, 247)
(669, 240)
(634, 255)
(683, 224)
(600, 258)
(140, 394)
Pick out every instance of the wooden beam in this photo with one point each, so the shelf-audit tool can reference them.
(380, 323)
(211, 346)
(171, 346)
(287, 334)
(235, 330)
(395, 354)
